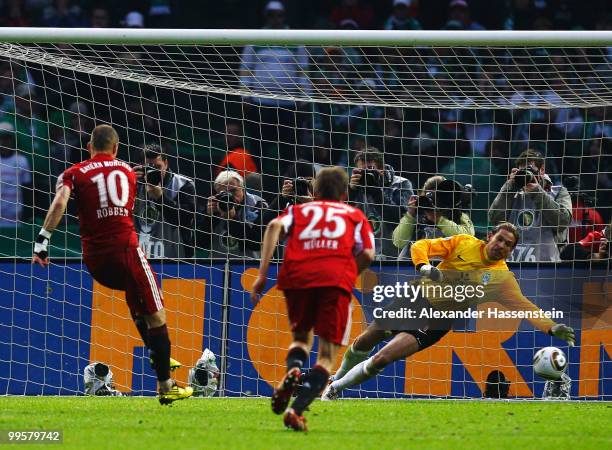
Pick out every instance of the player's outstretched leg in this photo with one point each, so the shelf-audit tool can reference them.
(401, 346)
(359, 350)
(296, 358)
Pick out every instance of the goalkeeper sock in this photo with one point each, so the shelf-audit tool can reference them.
(350, 359)
(296, 357)
(312, 386)
(357, 375)
(160, 350)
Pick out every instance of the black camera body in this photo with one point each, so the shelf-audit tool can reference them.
(525, 176)
(448, 194)
(427, 201)
(301, 186)
(370, 178)
(225, 200)
(152, 174)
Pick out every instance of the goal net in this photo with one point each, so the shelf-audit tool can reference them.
(273, 107)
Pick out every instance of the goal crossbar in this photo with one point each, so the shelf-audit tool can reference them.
(303, 37)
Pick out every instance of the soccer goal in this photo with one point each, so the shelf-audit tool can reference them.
(277, 105)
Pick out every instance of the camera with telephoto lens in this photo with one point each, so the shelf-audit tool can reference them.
(448, 194)
(525, 176)
(301, 186)
(370, 178)
(225, 200)
(152, 174)
(426, 201)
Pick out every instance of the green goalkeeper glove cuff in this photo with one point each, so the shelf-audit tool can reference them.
(564, 332)
(41, 244)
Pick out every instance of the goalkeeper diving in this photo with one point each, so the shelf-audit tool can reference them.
(464, 258)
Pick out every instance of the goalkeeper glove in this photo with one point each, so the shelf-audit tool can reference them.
(564, 332)
(431, 272)
(41, 244)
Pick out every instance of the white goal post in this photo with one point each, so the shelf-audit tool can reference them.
(277, 105)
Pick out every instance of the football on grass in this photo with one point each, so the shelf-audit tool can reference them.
(550, 363)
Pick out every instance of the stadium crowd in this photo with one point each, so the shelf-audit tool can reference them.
(315, 14)
(230, 163)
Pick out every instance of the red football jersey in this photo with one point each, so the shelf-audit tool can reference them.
(323, 238)
(104, 189)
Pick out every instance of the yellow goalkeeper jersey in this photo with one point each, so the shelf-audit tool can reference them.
(464, 261)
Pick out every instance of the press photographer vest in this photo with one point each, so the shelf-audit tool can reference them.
(157, 237)
(537, 241)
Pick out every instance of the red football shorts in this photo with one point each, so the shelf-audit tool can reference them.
(326, 309)
(128, 270)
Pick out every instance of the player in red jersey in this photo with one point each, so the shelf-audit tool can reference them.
(328, 244)
(104, 189)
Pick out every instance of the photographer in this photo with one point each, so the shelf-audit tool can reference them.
(585, 218)
(237, 217)
(541, 212)
(595, 245)
(296, 188)
(436, 212)
(380, 194)
(164, 214)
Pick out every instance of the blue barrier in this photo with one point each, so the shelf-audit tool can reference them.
(46, 316)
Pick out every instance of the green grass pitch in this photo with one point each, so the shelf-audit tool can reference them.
(134, 423)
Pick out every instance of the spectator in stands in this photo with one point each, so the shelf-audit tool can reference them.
(595, 245)
(236, 216)
(160, 14)
(479, 124)
(15, 179)
(486, 174)
(360, 12)
(237, 157)
(597, 123)
(164, 214)
(62, 14)
(459, 11)
(296, 188)
(274, 70)
(585, 218)
(133, 19)
(64, 150)
(99, 17)
(12, 14)
(521, 15)
(541, 212)
(438, 211)
(596, 174)
(401, 19)
(297, 184)
(381, 195)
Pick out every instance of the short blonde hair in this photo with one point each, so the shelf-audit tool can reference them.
(104, 138)
(224, 178)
